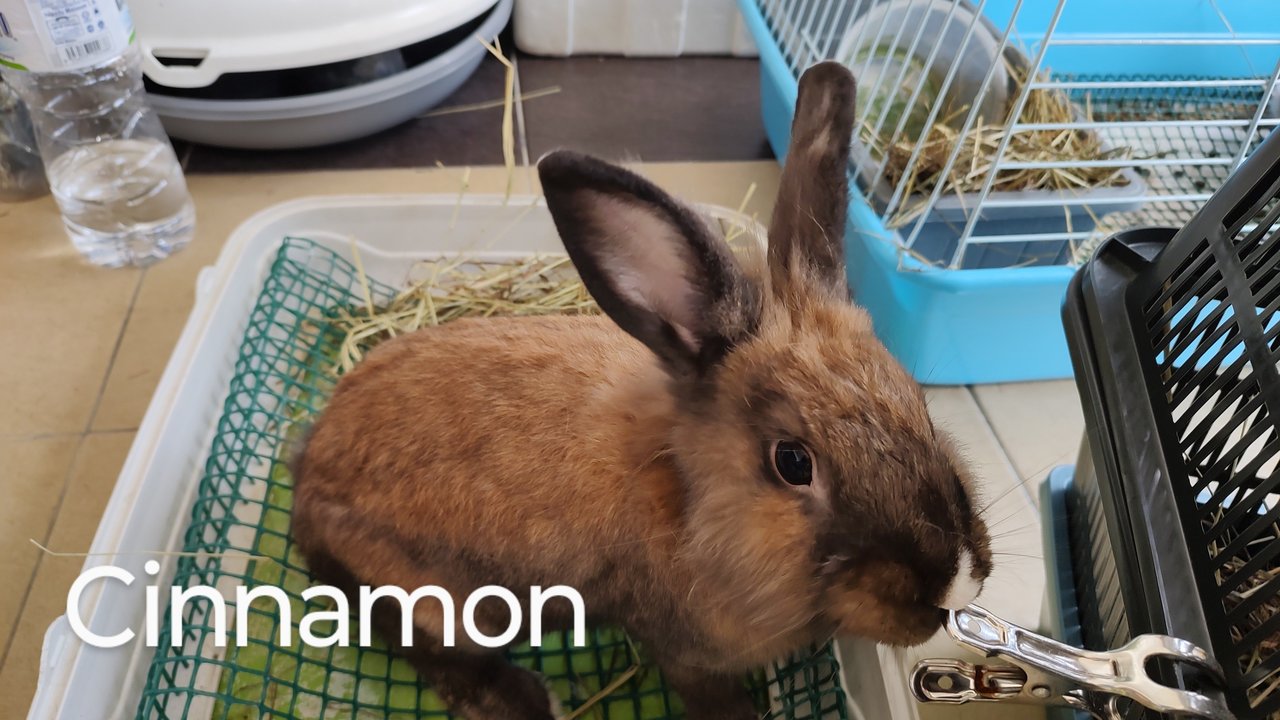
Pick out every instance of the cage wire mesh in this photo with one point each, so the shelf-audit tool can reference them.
(239, 536)
(1004, 133)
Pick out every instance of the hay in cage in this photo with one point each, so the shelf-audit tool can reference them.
(976, 152)
(1258, 584)
(1264, 613)
(1260, 581)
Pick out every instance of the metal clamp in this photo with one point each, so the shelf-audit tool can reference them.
(1047, 672)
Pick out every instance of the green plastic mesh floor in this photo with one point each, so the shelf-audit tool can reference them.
(283, 374)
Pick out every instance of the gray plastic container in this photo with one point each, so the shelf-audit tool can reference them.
(329, 117)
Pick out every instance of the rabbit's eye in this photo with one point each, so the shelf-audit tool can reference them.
(792, 463)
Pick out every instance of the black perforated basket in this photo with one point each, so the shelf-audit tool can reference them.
(1175, 524)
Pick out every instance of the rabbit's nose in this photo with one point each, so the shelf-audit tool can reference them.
(964, 586)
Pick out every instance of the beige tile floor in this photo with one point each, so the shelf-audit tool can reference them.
(83, 349)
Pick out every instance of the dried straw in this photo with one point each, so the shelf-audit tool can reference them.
(1259, 616)
(622, 679)
(151, 553)
(978, 149)
(459, 288)
(508, 107)
(490, 104)
(457, 206)
(733, 232)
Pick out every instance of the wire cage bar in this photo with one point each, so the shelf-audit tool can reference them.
(1015, 133)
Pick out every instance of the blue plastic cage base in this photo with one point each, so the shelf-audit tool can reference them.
(985, 325)
(946, 327)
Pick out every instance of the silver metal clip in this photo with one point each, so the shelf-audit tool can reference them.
(1047, 672)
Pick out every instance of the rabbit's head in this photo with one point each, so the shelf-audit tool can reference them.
(811, 467)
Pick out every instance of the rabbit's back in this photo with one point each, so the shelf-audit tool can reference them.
(532, 443)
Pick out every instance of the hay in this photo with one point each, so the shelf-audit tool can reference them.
(459, 288)
(1259, 616)
(612, 687)
(978, 148)
(508, 105)
(733, 232)
(491, 104)
(152, 554)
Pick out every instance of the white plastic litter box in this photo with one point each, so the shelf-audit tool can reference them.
(151, 507)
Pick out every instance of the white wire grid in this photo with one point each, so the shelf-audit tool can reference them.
(1181, 136)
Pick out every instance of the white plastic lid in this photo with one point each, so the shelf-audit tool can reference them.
(230, 36)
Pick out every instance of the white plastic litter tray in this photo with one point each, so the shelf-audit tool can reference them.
(151, 504)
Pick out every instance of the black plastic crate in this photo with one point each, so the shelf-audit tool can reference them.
(1175, 338)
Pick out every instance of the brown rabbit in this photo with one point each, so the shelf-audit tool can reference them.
(729, 465)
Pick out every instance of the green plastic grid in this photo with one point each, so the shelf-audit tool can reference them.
(283, 374)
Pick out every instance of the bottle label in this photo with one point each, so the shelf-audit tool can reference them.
(62, 35)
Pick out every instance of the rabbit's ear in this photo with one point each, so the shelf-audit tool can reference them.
(652, 263)
(807, 233)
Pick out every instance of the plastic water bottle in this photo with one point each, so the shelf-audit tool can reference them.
(111, 168)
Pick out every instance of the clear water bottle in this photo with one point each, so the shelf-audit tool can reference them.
(111, 168)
